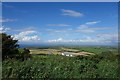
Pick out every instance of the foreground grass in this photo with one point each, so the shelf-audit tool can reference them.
(55, 66)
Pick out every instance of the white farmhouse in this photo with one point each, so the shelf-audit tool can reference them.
(67, 54)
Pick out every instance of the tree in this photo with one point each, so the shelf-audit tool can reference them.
(9, 46)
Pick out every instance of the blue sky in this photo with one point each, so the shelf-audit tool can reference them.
(65, 22)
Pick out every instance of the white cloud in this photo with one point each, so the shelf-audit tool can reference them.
(6, 20)
(27, 36)
(86, 28)
(87, 39)
(61, 25)
(59, 30)
(4, 29)
(91, 23)
(30, 38)
(100, 38)
(26, 33)
(71, 13)
(112, 37)
(56, 40)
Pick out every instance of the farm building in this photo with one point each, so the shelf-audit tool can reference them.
(67, 54)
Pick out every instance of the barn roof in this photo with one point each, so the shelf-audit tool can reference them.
(68, 53)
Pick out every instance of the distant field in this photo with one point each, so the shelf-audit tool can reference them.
(59, 51)
(75, 50)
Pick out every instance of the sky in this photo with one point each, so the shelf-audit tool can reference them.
(83, 23)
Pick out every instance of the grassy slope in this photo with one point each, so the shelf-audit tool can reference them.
(55, 66)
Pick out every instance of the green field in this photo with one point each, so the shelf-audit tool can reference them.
(104, 64)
